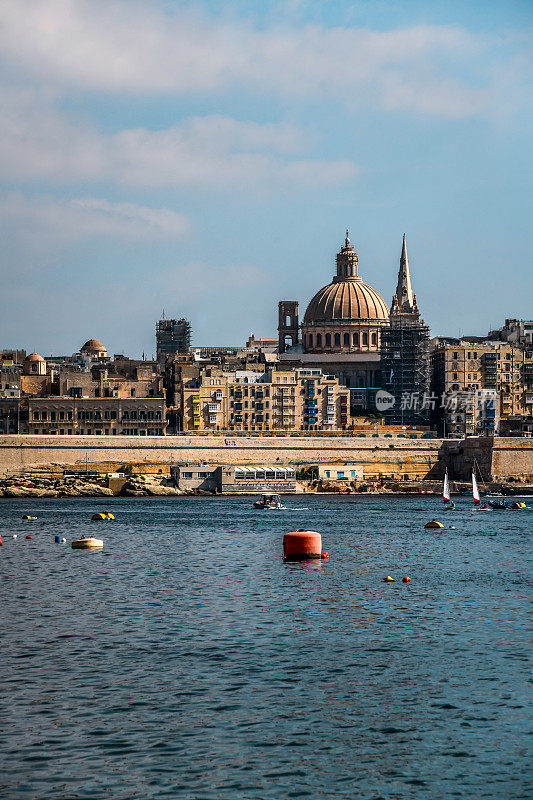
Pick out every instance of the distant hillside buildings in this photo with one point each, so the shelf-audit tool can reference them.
(350, 357)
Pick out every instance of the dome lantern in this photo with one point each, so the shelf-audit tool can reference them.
(347, 262)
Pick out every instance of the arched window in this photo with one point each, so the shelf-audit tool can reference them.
(374, 338)
(346, 340)
(310, 340)
(346, 269)
(337, 340)
(328, 339)
(365, 339)
(319, 340)
(355, 340)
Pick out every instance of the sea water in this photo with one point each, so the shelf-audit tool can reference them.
(186, 660)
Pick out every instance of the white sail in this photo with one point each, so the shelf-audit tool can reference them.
(475, 490)
(446, 488)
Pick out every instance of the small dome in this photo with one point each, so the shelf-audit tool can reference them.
(34, 357)
(93, 346)
(349, 299)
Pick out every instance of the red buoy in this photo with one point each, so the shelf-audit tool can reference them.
(28, 537)
(407, 579)
(1, 541)
(301, 545)
(325, 555)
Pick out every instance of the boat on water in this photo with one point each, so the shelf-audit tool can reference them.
(449, 505)
(269, 501)
(499, 505)
(475, 493)
(505, 505)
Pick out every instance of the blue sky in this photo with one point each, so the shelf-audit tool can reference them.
(205, 158)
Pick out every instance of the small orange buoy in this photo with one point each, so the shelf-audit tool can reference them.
(325, 555)
(302, 545)
(407, 579)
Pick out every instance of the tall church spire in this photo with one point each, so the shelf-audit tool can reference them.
(404, 301)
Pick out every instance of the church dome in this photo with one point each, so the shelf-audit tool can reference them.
(347, 297)
(93, 346)
(34, 357)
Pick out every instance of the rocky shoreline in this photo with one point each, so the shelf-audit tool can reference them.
(39, 484)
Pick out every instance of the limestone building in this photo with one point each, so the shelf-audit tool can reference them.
(272, 400)
(460, 366)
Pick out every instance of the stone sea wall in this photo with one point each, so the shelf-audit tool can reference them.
(395, 458)
(389, 456)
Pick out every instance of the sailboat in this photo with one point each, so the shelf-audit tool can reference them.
(446, 493)
(475, 494)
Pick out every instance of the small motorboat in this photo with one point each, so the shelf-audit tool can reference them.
(499, 505)
(269, 501)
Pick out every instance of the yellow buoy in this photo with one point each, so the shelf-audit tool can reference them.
(109, 515)
(433, 524)
(388, 579)
(87, 543)
(98, 516)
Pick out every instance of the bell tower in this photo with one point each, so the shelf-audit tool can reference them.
(288, 326)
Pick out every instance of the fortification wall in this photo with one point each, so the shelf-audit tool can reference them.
(423, 458)
(391, 457)
(497, 457)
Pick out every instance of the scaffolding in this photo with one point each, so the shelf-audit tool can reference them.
(172, 336)
(405, 371)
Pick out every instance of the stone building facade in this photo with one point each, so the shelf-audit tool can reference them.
(506, 369)
(273, 400)
(93, 395)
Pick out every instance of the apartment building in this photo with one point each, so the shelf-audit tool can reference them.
(501, 368)
(100, 401)
(272, 400)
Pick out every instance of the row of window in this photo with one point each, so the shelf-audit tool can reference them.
(308, 340)
(105, 432)
(97, 416)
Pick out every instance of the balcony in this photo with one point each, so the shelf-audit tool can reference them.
(213, 408)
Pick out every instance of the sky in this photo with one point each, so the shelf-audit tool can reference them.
(205, 158)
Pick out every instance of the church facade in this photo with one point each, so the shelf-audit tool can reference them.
(345, 325)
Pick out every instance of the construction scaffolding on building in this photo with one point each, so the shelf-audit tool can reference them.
(172, 336)
(405, 371)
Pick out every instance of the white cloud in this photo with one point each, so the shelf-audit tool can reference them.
(41, 142)
(140, 47)
(44, 222)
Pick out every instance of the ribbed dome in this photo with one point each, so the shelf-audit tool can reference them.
(34, 357)
(348, 299)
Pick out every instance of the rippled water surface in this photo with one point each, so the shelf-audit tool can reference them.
(186, 660)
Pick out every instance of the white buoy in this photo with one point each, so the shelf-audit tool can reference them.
(14, 536)
(87, 543)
